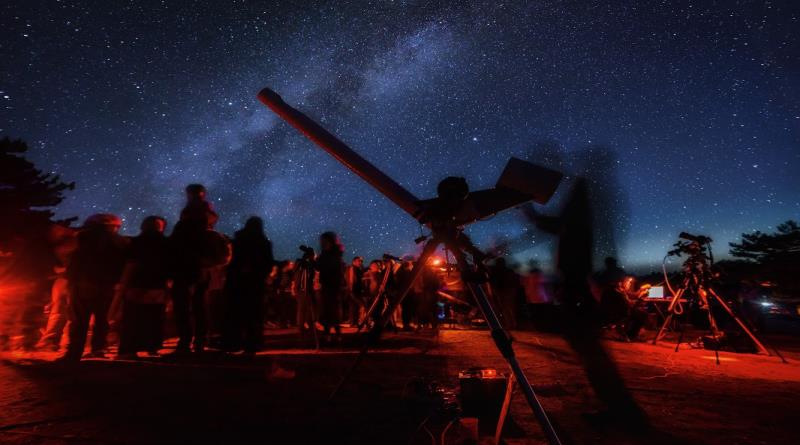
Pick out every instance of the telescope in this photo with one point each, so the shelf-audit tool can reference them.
(520, 181)
(698, 291)
(693, 245)
(699, 239)
(446, 215)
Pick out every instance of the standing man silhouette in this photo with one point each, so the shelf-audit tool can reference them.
(189, 245)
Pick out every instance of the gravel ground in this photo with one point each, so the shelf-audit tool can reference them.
(280, 396)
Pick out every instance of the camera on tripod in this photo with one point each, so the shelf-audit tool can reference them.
(691, 245)
(699, 239)
(308, 252)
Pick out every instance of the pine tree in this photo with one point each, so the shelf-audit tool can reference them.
(766, 248)
(775, 255)
(27, 195)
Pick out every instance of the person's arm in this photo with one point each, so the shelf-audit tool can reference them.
(549, 224)
(127, 273)
(211, 215)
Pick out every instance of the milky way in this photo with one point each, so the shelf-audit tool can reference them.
(695, 106)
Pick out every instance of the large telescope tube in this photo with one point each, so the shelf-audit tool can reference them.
(339, 150)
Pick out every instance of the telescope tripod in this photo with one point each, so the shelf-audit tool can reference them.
(379, 298)
(702, 291)
(473, 276)
(454, 208)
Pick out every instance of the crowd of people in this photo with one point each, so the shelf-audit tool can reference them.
(198, 284)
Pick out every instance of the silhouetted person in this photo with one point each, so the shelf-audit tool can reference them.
(612, 274)
(31, 269)
(305, 293)
(354, 281)
(271, 301)
(538, 298)
(331, 276)
(281, 293)
(381, 293)
(428, 294)
(250, 265)
(505, 288)
(409, 305)
(609, 282)
(198, 211)
(59, 312)
(93, 273)
(189, 243)
(636, 309)
(579, 310)
(144, 290)
(373, 277)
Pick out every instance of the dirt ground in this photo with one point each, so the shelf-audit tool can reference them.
(280, 396)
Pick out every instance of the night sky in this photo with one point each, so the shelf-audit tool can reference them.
(694, 105)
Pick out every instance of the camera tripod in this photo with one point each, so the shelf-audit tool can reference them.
(696, 284)
(445, 215)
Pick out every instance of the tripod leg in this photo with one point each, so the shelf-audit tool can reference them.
(764, 342)
(680, 338)
(503, 342)
(378, 298)
(712, 326)
(712, 323)
(739, 321)
(663, 327)
(374, 334)
(777, 352)
(670, 312)
(369, 312)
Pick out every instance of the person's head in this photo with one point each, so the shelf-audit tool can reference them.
(103, 221)
(610, 262)
(358, 261)
(408, 264)
(375, 266)
(195, 192)
(628, 284)
(329, 241)
(254, 225)
(153, 224)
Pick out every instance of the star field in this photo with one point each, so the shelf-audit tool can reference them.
(696, 106)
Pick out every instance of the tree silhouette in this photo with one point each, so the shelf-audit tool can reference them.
(27, 195)
(777, 253)
(765, 248)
